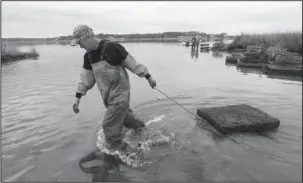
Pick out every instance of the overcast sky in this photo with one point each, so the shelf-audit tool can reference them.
(52, 19)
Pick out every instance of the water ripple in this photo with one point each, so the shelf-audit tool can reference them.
(37, 118)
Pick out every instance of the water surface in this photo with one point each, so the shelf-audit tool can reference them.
(42, 140)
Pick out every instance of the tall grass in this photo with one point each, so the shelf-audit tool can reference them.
(288, 41)
(12, 53)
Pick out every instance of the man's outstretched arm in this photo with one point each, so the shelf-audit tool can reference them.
(86, 82)
(138, 69)
(135, 67)
(131, 64)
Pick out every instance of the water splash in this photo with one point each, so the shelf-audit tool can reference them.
(130, 159)
(157, 96)
(142, 141)
(156, 119)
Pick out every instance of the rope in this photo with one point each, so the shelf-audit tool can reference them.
(177, 103)
(193, 114)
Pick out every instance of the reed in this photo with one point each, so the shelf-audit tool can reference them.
(13, 53)
(287, 41)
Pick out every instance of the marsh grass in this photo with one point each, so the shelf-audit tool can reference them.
(13, 53)
(286, 41)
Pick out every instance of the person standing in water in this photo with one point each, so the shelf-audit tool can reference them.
(105, 63)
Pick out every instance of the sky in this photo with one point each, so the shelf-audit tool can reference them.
(41, 19)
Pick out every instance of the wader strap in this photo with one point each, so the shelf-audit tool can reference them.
(102, 54)
(103, 44)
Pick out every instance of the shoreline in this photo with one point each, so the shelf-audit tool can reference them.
(5, 58)
(66, 42)
(126, 40)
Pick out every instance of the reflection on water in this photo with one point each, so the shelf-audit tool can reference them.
(259, 72)
(43, 140)
(217, 54)
(194, 53)
(287, 78)
(246, 70)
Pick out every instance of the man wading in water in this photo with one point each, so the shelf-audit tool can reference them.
(105, 64)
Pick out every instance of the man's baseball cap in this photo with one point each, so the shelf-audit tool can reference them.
(80, 32)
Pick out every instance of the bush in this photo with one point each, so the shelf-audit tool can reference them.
(12, 53)
(288, 41)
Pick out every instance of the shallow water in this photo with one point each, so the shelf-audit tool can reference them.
(42, 140)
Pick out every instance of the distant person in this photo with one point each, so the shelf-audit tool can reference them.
(105, 63)
(193, 42)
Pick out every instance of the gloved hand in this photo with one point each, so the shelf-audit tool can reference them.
(152, 82)
(76, 106)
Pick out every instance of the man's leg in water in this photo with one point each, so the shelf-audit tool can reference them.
(112, 123)
(90, 144)
(132, 121)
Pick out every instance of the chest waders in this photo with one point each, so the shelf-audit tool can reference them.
(113, 83)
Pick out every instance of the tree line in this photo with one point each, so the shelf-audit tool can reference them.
(125, 36)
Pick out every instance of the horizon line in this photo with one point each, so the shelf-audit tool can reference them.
(260, 33)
